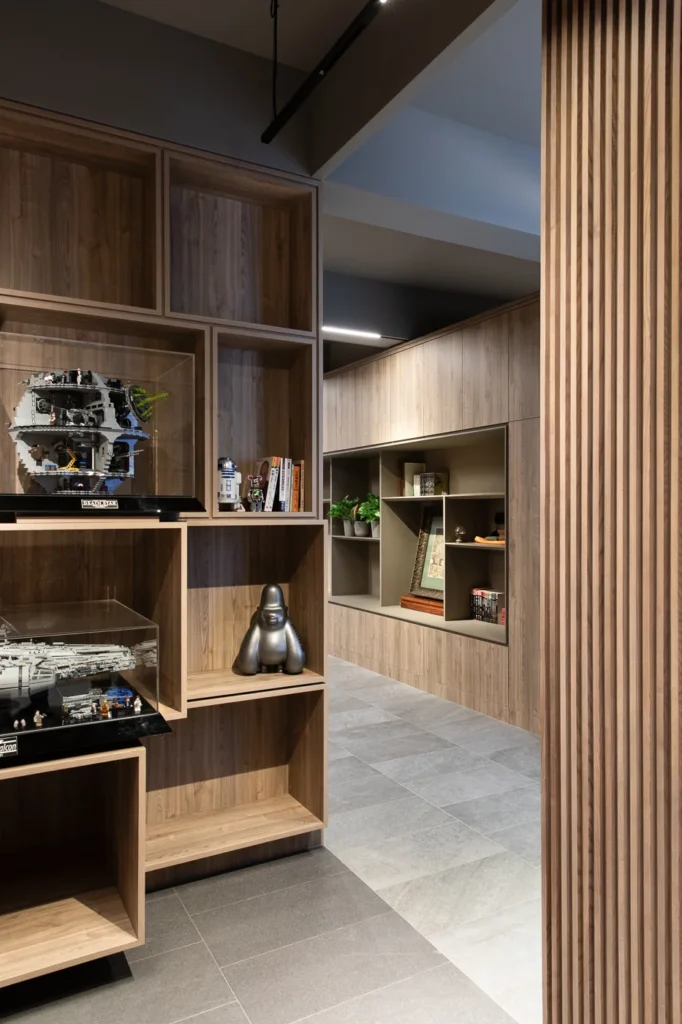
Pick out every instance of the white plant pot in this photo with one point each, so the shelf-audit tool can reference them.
(362, 528)
(376, 526)
(347, 528)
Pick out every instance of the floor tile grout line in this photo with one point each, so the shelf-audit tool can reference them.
(152, 956)
(196, 1016)
(222, 974)
(277, 949)
(374, 991)
(271, 892)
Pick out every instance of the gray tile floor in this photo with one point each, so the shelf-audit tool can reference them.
(423, 909)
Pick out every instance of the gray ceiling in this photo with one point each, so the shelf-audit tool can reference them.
(307, 28)
(495, 83)
(364, 250)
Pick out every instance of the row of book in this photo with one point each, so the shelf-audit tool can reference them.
(488, 605)
(283, 483)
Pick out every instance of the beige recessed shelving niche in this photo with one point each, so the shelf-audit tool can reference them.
(196, 276)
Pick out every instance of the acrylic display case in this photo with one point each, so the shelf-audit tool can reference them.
(76, 675)
(92, 427)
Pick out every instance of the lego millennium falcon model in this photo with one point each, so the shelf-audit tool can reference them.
(28, 669)
(76, 431)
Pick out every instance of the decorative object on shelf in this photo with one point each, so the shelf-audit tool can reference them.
(411, 471)
(432, 484)
(488, 605)
(460, 534)
(496, 537)
(428, 576)
(345, 511)
(137, 706)
(75, 431)
(19, 723)
(490, 542)
(271, 643)
(27, 668)
(255, 496)
(38, 719)
(421, 604)
(369, 511)
(104, 708)
(229, 484)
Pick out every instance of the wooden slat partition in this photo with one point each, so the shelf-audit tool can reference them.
(610, 517)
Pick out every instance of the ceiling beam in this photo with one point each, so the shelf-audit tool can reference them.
(382, 69)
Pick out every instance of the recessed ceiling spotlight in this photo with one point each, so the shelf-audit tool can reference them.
(349, 331)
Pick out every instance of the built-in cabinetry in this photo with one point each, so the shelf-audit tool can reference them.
(171, 265)
(465, 400)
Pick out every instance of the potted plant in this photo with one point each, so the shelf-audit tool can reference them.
(370, 512)
(345, 511)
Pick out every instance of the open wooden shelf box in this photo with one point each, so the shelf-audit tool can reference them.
(165, 358)
(73, 885)
(236, 775)
(241, 245)
(263, 395)
(227, 570)
(78, 214)
(141, 563)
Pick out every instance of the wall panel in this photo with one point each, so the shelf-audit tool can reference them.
(610, 512)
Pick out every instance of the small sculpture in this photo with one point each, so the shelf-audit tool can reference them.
(104, 708)
(229, 482)
(38, 720)
(18, 723)
(271, 643)
(460, 534)
(137, 706)
(255, 496)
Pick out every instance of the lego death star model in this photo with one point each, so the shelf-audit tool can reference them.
(76, 431)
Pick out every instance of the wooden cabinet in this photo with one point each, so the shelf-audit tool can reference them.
(406, 393)
(524, 362)
(485, 370)
(442, 384)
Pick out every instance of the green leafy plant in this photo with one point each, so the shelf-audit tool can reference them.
(369, 510)
(343, 509)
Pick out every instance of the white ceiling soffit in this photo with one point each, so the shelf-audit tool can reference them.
(495, 83)
(307, 28)
(364, 250)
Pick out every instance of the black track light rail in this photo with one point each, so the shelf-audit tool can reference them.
(345, 40)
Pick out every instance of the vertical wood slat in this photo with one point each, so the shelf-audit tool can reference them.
(610, 530)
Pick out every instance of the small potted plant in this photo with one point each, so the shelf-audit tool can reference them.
(370, 514)
(345, 511)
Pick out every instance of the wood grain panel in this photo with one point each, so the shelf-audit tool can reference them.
(610, 568)
(524, 362)
(74, 227)
(442, 377)
(485, 371)
(523, 605)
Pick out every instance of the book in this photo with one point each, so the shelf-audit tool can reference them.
(432, 606)
(433, 483)
(410, 471)
(302, 495)
(273, 476)
(282, 492)
(290, 484)
(488, 605)
(296, 499)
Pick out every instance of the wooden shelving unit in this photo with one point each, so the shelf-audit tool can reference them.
(375, 578)
(198, 275)
(75, 862)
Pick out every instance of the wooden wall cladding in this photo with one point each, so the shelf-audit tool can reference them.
(466, 671)
(78, 215)
(612, 281)
(478, 373)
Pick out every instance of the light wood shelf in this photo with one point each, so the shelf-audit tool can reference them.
(208, 834)
(488, 631)
(414, 497)
(222, 685)
(363, 540)
(473, 546)
(75, 864)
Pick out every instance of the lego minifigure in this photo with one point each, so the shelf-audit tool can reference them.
(137, 706)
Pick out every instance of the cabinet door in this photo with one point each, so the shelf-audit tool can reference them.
(442, 383)
(330, 397)
(524, 362)
(406, 394)
(485, 365)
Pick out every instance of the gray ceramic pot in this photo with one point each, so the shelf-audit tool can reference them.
(362, 529)
(347, 528)
(376, 527)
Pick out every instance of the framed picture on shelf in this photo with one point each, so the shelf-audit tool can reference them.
(428, 576)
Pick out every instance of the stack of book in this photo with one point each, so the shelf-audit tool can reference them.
(283, 483)
(487, 605)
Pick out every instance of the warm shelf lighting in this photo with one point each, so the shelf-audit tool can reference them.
(352, 333)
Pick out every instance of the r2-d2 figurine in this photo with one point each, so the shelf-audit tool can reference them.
(229, 484)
